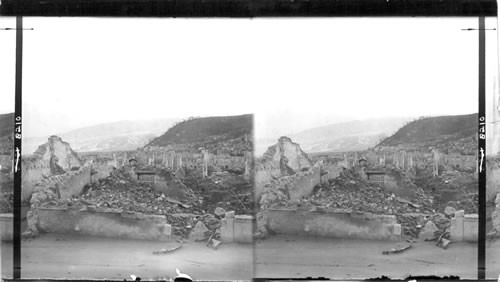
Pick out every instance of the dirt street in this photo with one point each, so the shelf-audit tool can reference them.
(62, 256)
(493, 259)
(292, 256)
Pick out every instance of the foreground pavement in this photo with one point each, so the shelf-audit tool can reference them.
(293, 256)
(63, 256)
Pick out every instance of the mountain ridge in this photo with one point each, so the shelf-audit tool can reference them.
(456, 132)
(206, 129)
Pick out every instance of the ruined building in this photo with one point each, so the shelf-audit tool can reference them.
(55, 157)
(283, 158)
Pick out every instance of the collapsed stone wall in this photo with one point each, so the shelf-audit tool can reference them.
(330, 171)
(54, 188)
(64, 186)
(75, 182)
(296, 159)
(103, 224)
(263, 175)
(102, 168)
(302, 184)
(333, 224)
(59, 153)
(55, 157)
(282, 159)
(32, 172)
(292, 187)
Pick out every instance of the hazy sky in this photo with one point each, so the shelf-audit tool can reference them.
(292, 73)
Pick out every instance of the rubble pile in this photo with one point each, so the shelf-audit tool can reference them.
(225, 190)
(347, 192)
(6, 202)
(452, 189)
(206, 204)
(350, 193)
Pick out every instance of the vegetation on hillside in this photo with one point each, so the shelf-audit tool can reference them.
(433, 131)
(197, 130)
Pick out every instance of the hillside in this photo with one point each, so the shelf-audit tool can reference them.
(345, 136)
(114, 136)
(6, 124)
(206, 130)
(449, 132)
(6, 135)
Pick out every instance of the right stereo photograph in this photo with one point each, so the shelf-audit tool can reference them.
(367, 160)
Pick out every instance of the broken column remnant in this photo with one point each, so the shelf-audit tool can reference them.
(464, 227)
(435, 170)
(227, 228)
(243, 228)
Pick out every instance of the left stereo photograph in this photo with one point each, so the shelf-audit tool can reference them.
(136, 155)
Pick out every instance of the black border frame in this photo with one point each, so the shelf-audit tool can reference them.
(248, 8)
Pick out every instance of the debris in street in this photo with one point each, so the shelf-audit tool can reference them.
(166, 251)
(396, 251)
(213, 243)
(443, 240)
(443, 243)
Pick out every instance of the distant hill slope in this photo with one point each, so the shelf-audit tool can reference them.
(206, 130)
(6, 134)
(435, 131)
(346, 136)
(6, 124)
(114, 136)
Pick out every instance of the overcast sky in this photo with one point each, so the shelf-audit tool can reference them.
(292, 73)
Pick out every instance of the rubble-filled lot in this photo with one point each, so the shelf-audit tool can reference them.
(436, 202)
(6, 193)
(204, 200)
(225, 190)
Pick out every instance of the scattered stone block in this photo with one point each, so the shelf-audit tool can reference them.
(449, 211)
(444, 243)
(198, 232)
(219, 211)
(428, 231)
(214, 244)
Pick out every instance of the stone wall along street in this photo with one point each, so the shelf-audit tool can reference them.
(333, 224)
